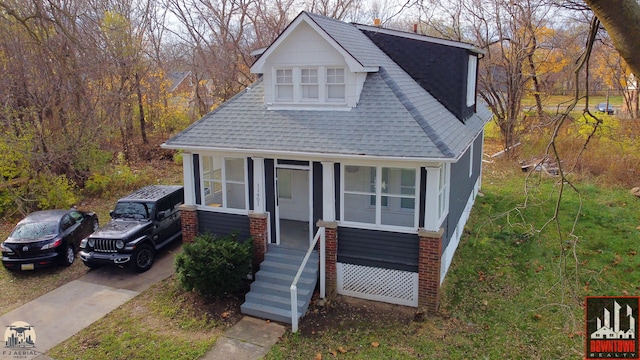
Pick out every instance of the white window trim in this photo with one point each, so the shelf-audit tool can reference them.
(222, 207)
(378, 194)
(435, 212)
(298, 99)
(472, 69)
(471, 160)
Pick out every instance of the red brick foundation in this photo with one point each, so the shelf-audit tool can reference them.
(189, 221)
(331, 257)
(258, 229)
(430, 247)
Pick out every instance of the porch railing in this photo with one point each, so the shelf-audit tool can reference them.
(294, 285)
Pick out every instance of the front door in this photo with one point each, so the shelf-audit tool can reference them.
(293, 206)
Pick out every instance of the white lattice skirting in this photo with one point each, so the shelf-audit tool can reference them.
(371, 283)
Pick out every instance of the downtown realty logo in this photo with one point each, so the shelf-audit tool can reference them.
(612, 327)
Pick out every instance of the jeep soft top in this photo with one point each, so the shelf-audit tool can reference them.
(150, 193)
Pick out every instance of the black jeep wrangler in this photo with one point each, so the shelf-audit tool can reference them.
(141, 223)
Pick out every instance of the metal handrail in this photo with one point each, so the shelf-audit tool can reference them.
(294, 285)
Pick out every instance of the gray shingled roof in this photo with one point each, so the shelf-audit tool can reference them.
(395, 117)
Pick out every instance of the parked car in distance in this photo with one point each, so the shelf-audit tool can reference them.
(142, 223)
(46, 237)
(603, 108)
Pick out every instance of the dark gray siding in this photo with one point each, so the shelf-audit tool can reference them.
(196, 178)
(381, 249)
(461, 187)
(223, 224)
(317, 194)
(439, 69)
(270, 197)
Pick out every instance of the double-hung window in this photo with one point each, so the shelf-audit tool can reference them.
(223, 181)
(309, 84)
(284, 84)
(380, 196)
(335, 84)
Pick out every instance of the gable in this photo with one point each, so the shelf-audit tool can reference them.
(440, 69)
(304, 47)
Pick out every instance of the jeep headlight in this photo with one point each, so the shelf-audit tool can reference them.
(119, 244)
(91, 242)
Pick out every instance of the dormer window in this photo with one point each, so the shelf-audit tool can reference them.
(284, 84)
(335, 84)
(310, 85)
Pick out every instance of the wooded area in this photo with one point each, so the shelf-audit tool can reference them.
(90, 85)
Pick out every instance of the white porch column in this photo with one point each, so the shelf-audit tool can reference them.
(189, 181)
(259, 203)
(431, 218)
(328, 192)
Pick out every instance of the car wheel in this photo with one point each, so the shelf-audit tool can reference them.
(143, 258)
(69, 256)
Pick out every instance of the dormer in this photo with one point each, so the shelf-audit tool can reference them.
(305, 68)
(446, 69)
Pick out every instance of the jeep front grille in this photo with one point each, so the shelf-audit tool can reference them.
(105, 245)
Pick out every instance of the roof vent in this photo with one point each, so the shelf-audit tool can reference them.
(376, 22)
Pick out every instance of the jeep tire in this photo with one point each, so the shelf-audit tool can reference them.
(142, 258)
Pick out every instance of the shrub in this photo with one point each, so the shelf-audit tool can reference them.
(112, 180)
(214, 266)
(53, 192)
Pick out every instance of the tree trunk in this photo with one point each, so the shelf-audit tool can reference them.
(143, 129)
(621, 18)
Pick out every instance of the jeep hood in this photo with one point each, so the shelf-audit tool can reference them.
(121, 229)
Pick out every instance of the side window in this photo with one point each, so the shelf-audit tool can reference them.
(66, 223)
(177, 198)
(163, 206)
(75, 216)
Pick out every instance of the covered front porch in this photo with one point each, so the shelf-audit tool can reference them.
(292, 203)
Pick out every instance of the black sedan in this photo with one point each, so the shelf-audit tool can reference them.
(47, 237)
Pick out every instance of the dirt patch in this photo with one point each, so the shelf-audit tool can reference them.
(224, 311)
(346, 313)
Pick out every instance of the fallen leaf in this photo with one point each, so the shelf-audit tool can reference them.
(375, 344)
(537, 317)
(333, 352)
(341, 349)
(225, 314)
(318, 356)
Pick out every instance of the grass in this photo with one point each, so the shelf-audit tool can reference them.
(160, 323)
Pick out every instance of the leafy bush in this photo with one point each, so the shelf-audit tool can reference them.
(214, 266)
(53, 192)
(112, 180)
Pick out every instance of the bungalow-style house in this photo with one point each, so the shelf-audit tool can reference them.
(365, 139)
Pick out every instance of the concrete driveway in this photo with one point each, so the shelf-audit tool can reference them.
(61, 313)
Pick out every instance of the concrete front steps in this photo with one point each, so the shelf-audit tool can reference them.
(269, 296)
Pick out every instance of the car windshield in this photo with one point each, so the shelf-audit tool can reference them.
(133, 210)
(34, 230)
